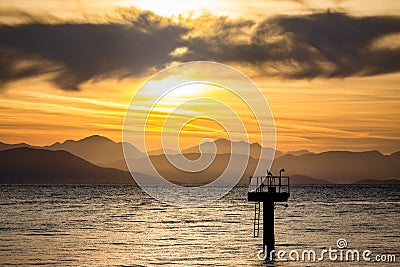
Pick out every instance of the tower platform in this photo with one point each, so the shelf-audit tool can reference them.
(269, 188)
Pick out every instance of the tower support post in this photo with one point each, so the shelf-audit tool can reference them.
(271, 190)
(268, 227)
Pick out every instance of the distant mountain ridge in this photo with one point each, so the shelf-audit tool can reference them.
(342, 166)
(306, 180)
(96, 149)
(225, 146)
(103, 151)
(41, 166)
(4, 146)
(304, 169)
(304, 166)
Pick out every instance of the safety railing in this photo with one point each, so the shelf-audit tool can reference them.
(269, 183)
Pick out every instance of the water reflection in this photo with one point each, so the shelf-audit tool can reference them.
(119, 225)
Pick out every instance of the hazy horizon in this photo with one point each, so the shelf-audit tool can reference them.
(191, 146)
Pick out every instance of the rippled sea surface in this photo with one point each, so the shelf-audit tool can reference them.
(120, 225)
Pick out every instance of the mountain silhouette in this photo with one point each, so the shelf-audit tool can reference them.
(96, 149)
(304, 166)
(4, 146)
(212, 172)
(297, 153)
(323, 168)
(29, 165)
(224, 146)
(342, 166)
(306, 180)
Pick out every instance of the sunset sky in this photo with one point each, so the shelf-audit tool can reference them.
(329, 69)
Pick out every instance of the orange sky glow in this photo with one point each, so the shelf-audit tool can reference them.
(353, 113)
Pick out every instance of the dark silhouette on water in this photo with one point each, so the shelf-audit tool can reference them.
(268, 190)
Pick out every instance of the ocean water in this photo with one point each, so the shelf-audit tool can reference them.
(120, 225)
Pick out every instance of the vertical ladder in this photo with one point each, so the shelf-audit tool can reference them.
(256, 219)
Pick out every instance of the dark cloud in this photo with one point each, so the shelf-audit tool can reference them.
(318, 45)
(342, 42)
(80, 52)
(329, 44)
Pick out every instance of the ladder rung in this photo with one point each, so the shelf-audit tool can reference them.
(256, 221)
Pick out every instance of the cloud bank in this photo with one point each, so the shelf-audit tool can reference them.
(318, 45)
